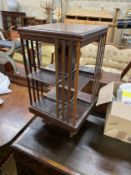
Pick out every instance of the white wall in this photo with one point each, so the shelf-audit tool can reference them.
(33, 7)
(30, 7)
(110, 5)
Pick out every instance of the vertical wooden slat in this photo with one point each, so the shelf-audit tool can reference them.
(38, 54)
(29, 56)
(63, 78)
(35, 84)
(100, 61)
(34, 91)
(103, 50)
(26, 69)
(76, 82)
(69, 73)
(41, 88)
(37, 87)
(98, 66)
(96, 71)
(57, 77)
(30, 66)
(34, 55)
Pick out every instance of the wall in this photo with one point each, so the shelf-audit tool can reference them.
(33, 7)
(110, 5)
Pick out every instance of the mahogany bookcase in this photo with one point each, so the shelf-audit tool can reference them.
(66, 105)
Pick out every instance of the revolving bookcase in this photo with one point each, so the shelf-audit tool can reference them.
(65, 105)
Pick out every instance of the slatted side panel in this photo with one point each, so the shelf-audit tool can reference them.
(76, 81)
(57, 78)
(98, 66)
(67, 58)
(69, 75)
(27, 67)
(63, 78)
(31, 56)
(64, 71)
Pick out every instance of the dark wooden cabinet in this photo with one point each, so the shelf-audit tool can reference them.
(28, 20)
(12, 19)
(33, 21)
(46, 151)
(40, 21)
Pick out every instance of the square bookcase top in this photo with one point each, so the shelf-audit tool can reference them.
(71, 31)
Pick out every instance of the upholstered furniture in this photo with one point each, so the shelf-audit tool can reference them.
(115, 59)
(46, 55)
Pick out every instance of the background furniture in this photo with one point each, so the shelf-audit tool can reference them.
(14, 113)
(32, 21)
(17, 19)
(11, 46)
(93, 17)
(12, 19)
(58, 11)
(115, 59)
(7, 48)
(48, 8)
(14, 117)
(1, 35)
(67, 105)
(44, 150)
(126, 36)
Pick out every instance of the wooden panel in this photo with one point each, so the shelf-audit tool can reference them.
(91, 13)
(89, 152)
(75, 21)
(90, 17)
(12, 19)
(14, 114)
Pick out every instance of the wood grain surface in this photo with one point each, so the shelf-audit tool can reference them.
(87, 153)
(14, 113)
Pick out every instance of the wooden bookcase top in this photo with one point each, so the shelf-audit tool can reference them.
(61, 30)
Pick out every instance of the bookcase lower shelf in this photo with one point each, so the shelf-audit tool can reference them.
(47, 77)
(46, 108)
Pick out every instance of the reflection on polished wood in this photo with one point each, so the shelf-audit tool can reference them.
(14, 113)
(49, 151)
